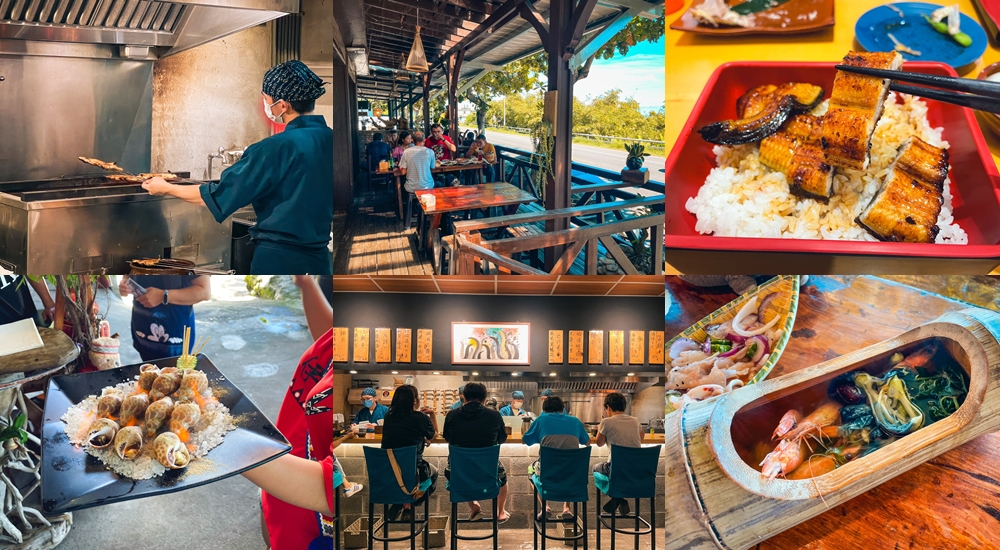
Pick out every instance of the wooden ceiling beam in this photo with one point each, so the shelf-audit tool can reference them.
(430, 10)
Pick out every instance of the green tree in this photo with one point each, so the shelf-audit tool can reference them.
(515, 78)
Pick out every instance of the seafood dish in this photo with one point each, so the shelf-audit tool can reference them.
(162, 420)
(109, 166)
(735, 346)
(717, 13)
(864, 164)
(862, 411)
(141, 177)
(907, 206)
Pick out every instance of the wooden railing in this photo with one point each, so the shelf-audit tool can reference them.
(603, 214)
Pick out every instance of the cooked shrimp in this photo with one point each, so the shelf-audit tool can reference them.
(783, 459)
(788, 421)
(825, 415)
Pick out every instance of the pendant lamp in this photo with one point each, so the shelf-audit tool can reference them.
(417, 62)
(402, 73)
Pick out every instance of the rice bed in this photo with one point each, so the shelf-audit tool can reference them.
(743, 198)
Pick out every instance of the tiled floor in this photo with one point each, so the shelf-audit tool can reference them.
(521, 539)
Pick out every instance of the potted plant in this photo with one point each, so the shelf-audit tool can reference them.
(634, 172)
(636, 155)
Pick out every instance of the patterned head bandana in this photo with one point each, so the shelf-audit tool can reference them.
(293, 81)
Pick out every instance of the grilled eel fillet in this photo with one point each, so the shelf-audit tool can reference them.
(762, 111)
(140, 178)
(795, 152)
(109, 166)
(855, 106)
(907, 206)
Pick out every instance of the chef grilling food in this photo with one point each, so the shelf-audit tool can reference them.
(288, 178)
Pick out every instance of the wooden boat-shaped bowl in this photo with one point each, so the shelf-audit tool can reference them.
(785, 304)
(718, 501)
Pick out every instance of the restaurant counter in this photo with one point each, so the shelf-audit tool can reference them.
(647, 439)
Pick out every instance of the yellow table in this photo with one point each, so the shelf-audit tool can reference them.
(691, 59)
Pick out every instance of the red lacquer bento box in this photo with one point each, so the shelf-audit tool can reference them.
(975, 187)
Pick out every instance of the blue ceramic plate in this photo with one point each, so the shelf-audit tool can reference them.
(912, 30)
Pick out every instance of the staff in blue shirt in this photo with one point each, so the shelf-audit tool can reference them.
(372, 411)
(514, 408)
(461, 398)
(288, 178)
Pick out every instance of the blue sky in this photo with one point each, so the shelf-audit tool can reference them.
(638, 74)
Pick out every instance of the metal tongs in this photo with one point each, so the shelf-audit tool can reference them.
(988, 99)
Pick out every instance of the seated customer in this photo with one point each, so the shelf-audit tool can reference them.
(406, 425)
(474, 425)
(485, 152)
(416, 164)
(377, 151)
(617, 428)
(404, 143)
(555, 428)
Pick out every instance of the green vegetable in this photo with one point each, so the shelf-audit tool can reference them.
(940, 26)
(756, 6)
(721, 348)
(751, 351)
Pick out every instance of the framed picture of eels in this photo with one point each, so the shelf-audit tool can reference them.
(490, 343)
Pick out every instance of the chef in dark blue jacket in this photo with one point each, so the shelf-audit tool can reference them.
(288, 178)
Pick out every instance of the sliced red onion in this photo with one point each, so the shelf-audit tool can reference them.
(707, 346)
(681, 345)
(735, 338)
(762, 347)
(737, 350)
(764, 303)
(748, 309)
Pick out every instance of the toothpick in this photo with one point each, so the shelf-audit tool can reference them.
(202, 346)
(187, 340)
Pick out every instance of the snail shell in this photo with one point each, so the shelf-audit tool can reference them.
(147, 375)
(102, 433)
(128, 442)
(133, 408)
(157, 415)
(166, 383)
(184, 418)
(170, 451)
(108, 405)
(193, 383)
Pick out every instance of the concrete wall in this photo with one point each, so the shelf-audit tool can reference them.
(317, 49)
(515, 458)
(209, 97)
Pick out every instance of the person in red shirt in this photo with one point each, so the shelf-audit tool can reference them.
(297, 488)
(441, 144)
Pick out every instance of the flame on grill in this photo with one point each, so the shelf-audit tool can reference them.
(81, 434)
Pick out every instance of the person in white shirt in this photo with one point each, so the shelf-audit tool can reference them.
(416, 164)
(617, 428)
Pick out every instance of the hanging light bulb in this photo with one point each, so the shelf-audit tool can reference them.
(402, 73)
(417, 62)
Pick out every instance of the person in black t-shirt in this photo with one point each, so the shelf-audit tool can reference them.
(406, 425)
(474, 425)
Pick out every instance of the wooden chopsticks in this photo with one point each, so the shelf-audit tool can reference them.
(988, 98)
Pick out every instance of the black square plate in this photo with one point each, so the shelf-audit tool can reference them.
(73, 479)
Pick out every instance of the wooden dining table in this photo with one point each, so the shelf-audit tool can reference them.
(439, 169)
(952, 501)
(470, 197)
(691, 59)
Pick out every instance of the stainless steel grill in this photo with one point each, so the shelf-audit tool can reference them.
(114, 14)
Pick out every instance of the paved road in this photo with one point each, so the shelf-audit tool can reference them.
(609, 159)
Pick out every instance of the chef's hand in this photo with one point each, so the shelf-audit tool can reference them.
(157, 186)
(152, 298)
(123, 288)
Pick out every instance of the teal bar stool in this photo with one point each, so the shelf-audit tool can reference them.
(384, 490)
(473, 477)
(565, 476)
(338, 481)
(636, 479)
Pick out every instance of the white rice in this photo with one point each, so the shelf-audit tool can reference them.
(206, 435)
(743, 198)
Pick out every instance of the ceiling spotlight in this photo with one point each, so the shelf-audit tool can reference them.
(437, 372)
(513, 374)
(395, 372)
(354, 372)
(474, 373)
(631, 374)
(593, 374)
(552, 374)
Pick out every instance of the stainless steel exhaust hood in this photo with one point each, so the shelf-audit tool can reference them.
(167, 27)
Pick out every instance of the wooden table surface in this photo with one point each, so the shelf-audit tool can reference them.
(472, 197)
(437, 170)
(57, 350)
(691, 59)
(952, 501)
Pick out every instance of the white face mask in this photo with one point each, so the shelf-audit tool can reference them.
(267, 111)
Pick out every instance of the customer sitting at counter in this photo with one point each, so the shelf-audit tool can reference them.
(473, 425)
(617, 428)
(461, 399)
(514, 407)
(555, 428)
(373, 411)
(407, 424)
(288, 178)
